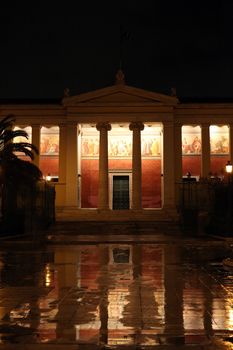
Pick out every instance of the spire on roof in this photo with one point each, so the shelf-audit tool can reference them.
(66, 92)
(120, 77)
(173, 92)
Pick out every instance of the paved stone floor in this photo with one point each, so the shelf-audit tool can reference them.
(86, 291)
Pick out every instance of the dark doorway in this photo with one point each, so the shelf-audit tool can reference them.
(120, 194)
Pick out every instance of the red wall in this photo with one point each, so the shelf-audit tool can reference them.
(217, 164)
(193, 164)
(120, 164)
(90, 182)
(49, 165)
(151, 181)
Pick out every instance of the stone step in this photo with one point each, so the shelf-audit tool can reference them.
(74, 228)
(74, 214)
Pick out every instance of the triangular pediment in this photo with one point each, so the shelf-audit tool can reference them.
(120, 94)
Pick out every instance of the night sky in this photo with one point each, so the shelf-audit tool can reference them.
(162, 44)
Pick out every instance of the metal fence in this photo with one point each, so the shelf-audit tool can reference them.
(26, 209)
(196, 195)
(212, 199)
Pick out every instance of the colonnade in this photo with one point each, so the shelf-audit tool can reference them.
(136, 128)
(205, 155)
(171, 171)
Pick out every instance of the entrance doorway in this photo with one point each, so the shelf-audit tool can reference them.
(120, 192)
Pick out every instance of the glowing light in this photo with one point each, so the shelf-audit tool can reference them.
(48, 276)
(48, 177)
(228, 167)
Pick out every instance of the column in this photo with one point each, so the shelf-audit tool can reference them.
(205, 156)
(71, 165)
(231, 142)
(62, 153)
(103, 202)
(79, 167)
(168, 165)
(36, 142)
(178, 158)
(136, 127)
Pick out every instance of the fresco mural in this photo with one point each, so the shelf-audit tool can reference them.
(219, 139)
(121, 146)
(49, 142)
(191, 144)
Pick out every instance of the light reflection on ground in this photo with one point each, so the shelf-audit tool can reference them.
(116, 294)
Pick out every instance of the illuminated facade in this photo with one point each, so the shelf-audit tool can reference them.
(124, 148)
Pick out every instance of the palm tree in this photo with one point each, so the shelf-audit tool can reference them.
(16, 174)
(13, 169)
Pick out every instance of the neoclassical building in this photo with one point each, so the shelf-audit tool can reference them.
(119, 152)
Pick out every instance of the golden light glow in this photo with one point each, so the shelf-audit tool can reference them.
(219, 139)
(48, 276)
(228, 167)
(48, 177)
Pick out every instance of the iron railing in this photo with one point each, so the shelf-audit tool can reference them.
(27, 208)
(212, 198)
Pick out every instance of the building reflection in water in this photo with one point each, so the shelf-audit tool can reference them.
(114, 294)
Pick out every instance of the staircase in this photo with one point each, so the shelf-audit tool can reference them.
(145, 215)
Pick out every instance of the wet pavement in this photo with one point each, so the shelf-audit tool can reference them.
(162, 292)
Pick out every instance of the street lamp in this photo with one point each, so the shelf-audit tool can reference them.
(48, 177)
(228, 167)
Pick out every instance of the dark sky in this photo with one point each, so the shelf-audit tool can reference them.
(186, 44)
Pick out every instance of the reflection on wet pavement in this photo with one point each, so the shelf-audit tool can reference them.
(116, 294)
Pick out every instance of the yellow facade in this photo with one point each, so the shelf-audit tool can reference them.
(133, 110)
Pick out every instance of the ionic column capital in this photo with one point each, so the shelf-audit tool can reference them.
(35, 126)
(136, 125)
(178, 125)
(103, 125)
(62, 125)
(205, 125)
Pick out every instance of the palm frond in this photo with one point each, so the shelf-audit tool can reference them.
(9, 150)
(10, 135)
(14, 169)
(6, 123)
(19, 132)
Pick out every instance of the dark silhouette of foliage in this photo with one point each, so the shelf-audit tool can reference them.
(13, 169)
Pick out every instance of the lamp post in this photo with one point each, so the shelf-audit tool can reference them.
(228, 168)
(48, 177)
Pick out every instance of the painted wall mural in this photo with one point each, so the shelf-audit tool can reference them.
(219, 139)
(191, 144)
(49, 141)
(121, 146)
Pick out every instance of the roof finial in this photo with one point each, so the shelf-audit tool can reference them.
(173, 92)
(120, 77)
(66, 92)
